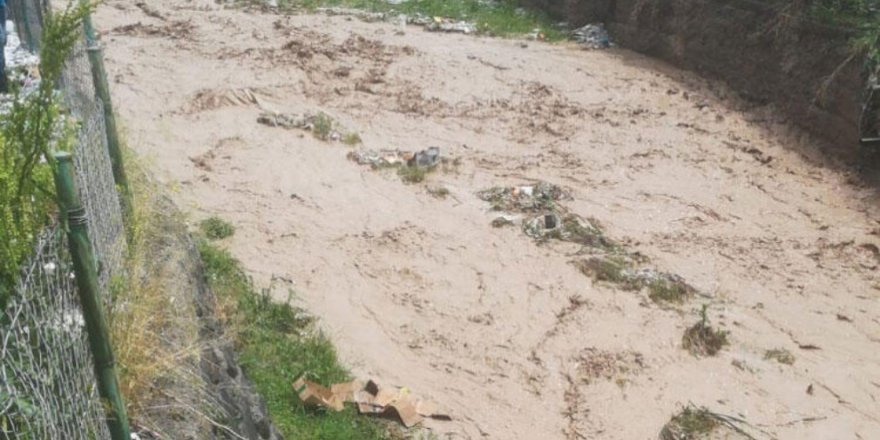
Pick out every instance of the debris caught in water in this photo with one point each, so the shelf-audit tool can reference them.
(369, 399)
(592, 36)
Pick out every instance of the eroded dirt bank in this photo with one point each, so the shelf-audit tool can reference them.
(505, 333)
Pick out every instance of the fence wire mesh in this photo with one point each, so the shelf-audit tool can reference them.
(48, 385)
(48, 388)
(94, 173)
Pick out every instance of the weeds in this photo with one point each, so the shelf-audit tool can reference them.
(32, 128)
(277, 343)
(584, 232)
(153, 334)
(322, 126)
(351, 139)
(215, 228)
(690, 424)
(780, 355)
(531, 198)
(440, 192)
(611, 270)
(669, 290)
(413, 173)
(703, 340)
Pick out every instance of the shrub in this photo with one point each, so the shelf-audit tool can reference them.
(215, 228)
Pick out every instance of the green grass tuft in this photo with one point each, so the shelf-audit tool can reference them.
(413, 174)
(703, 340)
(691, 424)
(215, 228)
(322, 126)
(780, 355)
(277, 343)
(663, 290)
(351, 139)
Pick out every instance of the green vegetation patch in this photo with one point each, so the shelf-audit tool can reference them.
(862, 17)
(215, 228)
(278, 343)
(503, 18)
(413, 173)
(780, 355)
(322, 126)
(703, 340)
(617, 271)
(690, 424)
(30, 131)
(669, 290)
(351, 139)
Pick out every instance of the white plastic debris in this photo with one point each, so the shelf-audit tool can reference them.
(593, 36)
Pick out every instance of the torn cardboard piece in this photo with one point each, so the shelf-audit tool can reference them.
(317, 395)
(370, 399)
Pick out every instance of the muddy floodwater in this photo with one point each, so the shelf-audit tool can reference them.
(417, 283)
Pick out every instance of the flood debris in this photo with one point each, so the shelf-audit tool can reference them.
(592, 36)
(536, 35)
(412, 167)
(567, 227)
(504, 220)
(321, 125)
(622, 270)
(379, 158)
(616, 269)
(429, 23)
(594, 364)
(780, 355)
(698, 423)
(369, 399)
(608, 261)
(22, 68)
(524, 198)
(440, 192)
(443, 24)
(703, 340)
(357, 13)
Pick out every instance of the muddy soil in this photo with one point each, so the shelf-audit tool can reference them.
(503, 331)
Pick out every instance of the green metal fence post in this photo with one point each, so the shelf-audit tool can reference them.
(89, 296)
(102, 89)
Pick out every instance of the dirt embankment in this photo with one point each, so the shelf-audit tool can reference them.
(766, 54)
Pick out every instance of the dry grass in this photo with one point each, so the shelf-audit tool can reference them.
(154, 335)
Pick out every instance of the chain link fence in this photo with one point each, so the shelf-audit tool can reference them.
(47, 381)
(48, 385)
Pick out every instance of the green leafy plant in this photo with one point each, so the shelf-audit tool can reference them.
(323, 126)
(215, 228)
(29, 132)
